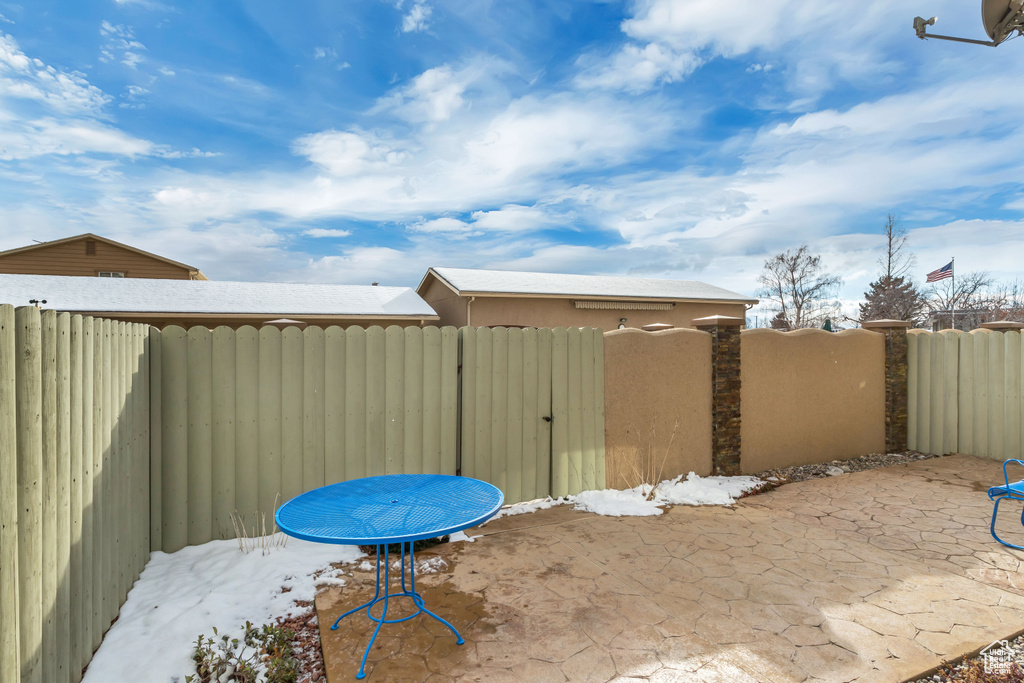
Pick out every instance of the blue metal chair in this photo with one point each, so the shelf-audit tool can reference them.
(1013, 491)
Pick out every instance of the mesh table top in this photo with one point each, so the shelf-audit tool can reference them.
(389, 509)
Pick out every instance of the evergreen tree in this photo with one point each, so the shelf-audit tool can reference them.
(893, 298)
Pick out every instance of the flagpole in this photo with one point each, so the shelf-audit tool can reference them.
(952, 304)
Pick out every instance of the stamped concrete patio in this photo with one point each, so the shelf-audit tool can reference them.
(870, 576)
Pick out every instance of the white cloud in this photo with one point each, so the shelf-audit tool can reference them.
(418, 17)
(120, 40)
(31, 79)
(324, 52)
(443, 224)
(347, 153)
(326, 232)
(513, 218)
(637, 69)
(147, 4)
(434, 95)
(27, 139)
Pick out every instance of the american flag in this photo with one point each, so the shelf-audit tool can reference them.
(942, 273)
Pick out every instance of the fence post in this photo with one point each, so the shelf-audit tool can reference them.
(725, 391)
(895, 332)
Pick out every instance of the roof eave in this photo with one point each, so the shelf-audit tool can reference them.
(606, 297)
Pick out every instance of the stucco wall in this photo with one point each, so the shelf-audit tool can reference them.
(543, 312)
(811, 396)
(446, 303)
(650, 380)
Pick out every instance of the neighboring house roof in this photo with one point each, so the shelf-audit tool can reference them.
(98, 238)
(139, 295)
(474, 282)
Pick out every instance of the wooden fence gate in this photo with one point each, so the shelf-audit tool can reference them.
(532, 410)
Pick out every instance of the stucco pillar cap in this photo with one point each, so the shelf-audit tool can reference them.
(1002, 325)
(885, 324)
(718, 320)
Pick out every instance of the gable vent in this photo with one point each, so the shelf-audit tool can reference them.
(90, 247)
(626, 305)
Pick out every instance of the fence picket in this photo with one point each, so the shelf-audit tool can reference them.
(223, 431)
(498, 428)
(393, 400)
(514, 401)
(270, 421)
(77, 598)
(355, 405)
(48, 340)
(247, 420)
(29, 379)
(412, 418)
(313, 408)
(996, 381)
(431, 401)
(1011, 395)
(338, 417)
(200, 435)
(10, 613)
(292, 369)
(62, 615)
(588, 444)
(375, 454)
(965, 394)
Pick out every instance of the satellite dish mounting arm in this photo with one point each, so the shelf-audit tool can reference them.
(920, 24)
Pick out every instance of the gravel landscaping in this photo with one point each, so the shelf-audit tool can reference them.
(787, 475)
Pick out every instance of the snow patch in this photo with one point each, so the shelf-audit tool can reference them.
(181, 595)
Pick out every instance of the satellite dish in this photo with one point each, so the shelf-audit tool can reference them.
(1001, 18)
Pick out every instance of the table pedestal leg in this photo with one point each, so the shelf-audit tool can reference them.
(409, 592)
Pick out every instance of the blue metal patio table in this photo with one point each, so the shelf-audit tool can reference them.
(393, 508)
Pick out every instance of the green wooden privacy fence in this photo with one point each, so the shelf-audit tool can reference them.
(74, 478)
(250, 418)
(964, 393)
(533, 409)
(117, 439)
(244, 420)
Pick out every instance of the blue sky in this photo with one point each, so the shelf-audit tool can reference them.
(366, 140)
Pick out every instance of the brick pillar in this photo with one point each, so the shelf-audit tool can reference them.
(895, 332)
(725, 391)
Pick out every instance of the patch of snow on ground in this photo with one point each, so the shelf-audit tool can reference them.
(696, 490)
(529, 506)
(612, 503)
(461, 536)
(431, 566)
(693, 490)
(181, 595)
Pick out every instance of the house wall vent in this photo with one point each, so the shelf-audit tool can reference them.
(90, 247)
(626, 305)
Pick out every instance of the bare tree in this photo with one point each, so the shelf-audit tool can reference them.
(898, 259)
(970, 299)
(801, 292)
(892, 296)
(1013, 302)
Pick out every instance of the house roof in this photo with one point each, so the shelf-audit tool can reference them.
(98, 238)
(474, 282)
(140, 295)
